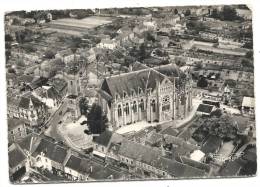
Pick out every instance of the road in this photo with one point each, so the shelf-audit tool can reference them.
(53, 123)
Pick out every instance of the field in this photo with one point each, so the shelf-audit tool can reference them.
(87, 23)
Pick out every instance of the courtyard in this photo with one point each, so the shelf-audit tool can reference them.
(73, 133)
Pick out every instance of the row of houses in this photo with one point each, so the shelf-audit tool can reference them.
(141, 153)
(44, 154)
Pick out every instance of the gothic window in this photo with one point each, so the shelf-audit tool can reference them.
(141, 105)
(71, 83)
(140, 90)
(127, 109)
(134, 107)
(124, 94)
(119, 111)
(132, 93)
(153, 105)
(117, 97)
(166, 103)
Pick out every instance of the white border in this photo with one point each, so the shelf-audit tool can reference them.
(11, 5)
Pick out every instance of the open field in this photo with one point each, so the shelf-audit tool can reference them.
(85, 23)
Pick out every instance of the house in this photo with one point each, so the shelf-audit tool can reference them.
(244, 13)
(67, 56)
(108, 44)
(48, 95)
(205, 109)
(50, 155)
(32, 109)
(164, 41)
(103, 141)
(12, 107)
(81, 168)
(60, 85)
(150, 24)
(17, 129)
(151, 161)
(139, 29)
(197, 155)
(248, 106)
(18, 163)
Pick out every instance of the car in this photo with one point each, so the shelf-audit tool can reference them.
(60, 122)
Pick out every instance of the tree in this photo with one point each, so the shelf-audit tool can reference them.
(187, 12)
(215, 13)
(228, 13)
(223, 127)
(175, 11)
(96, 120)
(179, 61)
(83, 106)
(49, 54)
(150, 37)
(202, 82)
(246, 63)
(249, 54)
(8, 38)
(217, 113)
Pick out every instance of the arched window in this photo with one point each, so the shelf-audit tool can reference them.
(134, 107)
(127, 109)
(141, 105)
(119, 111)
(125, 94)
(153, 105)
(140, 90)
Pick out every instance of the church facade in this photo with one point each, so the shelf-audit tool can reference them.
(146, 94)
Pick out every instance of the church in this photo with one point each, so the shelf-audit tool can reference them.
(159, 94)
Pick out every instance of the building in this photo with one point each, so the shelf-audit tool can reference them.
(151, 162)
(48, 95)
(50, 155)
(108, 44)
(205, 109)
(17, 162)
(32, 109)
(152, 95)
(248, 106)
(17, 129)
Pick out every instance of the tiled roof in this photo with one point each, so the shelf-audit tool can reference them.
(139, 152)
(51, 150)
(170, 131)
(248, 102)
(211, 145)
(14, 122)
(15, 155)
(205, 108)
(95, 170)
(127, 82)
(103, 138)
(25, 101)
(58, 84)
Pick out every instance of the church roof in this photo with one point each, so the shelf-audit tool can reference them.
(127, 82)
